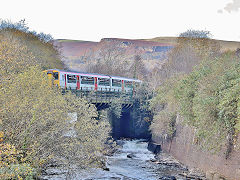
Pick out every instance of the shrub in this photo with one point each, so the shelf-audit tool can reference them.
(35, 117)
(11, 164)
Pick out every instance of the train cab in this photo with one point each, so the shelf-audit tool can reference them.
(53, 76)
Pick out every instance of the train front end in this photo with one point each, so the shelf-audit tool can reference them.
(53, 77)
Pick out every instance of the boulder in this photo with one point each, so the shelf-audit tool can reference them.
(168, 178)
(153, 147)
(131, 155)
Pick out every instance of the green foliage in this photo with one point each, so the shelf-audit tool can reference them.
(164, 124)
(37, 119)
(165, 110)
(18, 171)
(203, 88)
(196, 34)
(91, 133)
(116, 107)
(20, 50)
(208, 99)
(12, 165)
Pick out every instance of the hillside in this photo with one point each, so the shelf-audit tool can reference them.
(153, 51)
(76, 53)
(225, 45)
(72, 49)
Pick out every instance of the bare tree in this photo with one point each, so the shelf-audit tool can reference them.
(110, 59)
(138, 68)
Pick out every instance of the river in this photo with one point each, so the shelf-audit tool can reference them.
(132, 161)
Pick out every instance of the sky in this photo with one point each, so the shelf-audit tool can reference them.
(93, 20)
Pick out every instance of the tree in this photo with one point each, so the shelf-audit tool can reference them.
(193, 47)
(137, 68)
(196, 34)
(36, 118)
(110, 59)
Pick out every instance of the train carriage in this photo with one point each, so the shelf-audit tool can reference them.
(90, 81)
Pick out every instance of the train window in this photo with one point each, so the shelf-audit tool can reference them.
(87, 80)
(104, 82)
(128, 84)
(71, 79)
(116, 83)
(55, 75)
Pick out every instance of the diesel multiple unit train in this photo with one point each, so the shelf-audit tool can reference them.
(90, 81)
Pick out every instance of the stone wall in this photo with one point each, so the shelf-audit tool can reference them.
(182, 147)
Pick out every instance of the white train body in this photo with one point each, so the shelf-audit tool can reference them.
(90, 81)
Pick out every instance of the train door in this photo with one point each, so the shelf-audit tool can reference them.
(65, 79)
(96, 84)
(122, 85)
(78, 82)
(50, 78)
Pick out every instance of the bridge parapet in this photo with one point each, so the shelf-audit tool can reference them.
(104, 97)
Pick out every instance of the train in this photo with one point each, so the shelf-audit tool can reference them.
(72, 80)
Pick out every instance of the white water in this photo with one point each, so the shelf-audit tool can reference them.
(123, 168)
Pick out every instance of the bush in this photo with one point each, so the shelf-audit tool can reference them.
(11, 164)
(208, 99)
(206, 95)
(36, 118)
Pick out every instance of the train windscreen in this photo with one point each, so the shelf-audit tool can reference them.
(55, 75)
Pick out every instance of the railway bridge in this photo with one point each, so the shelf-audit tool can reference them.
(106, 91)
(103, 99)
(127, 125)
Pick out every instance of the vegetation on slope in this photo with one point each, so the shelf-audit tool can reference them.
(38, 123)
(206, 96)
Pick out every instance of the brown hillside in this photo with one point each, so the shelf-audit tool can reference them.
(153, 51)
(225, 45)
(72, 49)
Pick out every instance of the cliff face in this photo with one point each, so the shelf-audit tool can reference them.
(183, 148)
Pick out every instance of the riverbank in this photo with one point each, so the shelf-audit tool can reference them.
(131, 160)
(183, 148)
(170, 162)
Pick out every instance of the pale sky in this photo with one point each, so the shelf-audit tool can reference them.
(132, 19)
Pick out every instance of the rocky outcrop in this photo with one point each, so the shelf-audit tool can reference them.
(183, 148)
(154, 147)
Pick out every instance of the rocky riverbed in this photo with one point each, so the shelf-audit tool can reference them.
(131, 161)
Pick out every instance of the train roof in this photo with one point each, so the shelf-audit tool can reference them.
(125, 78)
(81, 73)
(95, 74)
